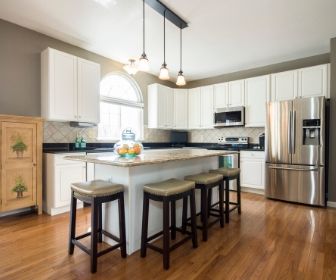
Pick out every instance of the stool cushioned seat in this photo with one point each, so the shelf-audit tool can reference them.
(204, 178)
(97, 188)
(227, 172)
(169, 187)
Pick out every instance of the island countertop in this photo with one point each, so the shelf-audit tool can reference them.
(149, 157)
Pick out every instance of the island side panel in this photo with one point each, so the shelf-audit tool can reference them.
(134, 178)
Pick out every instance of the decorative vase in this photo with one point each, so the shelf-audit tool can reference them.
(19, 154)
(19, 194)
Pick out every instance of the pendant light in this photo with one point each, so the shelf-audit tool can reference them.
(180, 78)
(143, 60)
(164, 73)
(131, 67)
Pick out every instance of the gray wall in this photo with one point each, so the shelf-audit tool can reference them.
(20, 72)
(332, 138)
(274, 68)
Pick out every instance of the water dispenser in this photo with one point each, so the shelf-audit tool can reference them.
(311, 132)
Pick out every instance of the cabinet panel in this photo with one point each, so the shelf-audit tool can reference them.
(284, 85)
(207, 111)
(257, 91)
(180, 108)
(169, 108)
(236, 93)
(221, 96)
(194, 108)
(88, 91)
(313, 81)
(63, 86)
(252, 173)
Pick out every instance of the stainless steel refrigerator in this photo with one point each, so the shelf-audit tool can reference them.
(295, 150)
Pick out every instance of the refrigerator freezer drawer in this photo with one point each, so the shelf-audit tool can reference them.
(303, 184)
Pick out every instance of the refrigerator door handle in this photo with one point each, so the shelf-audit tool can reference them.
(289, 140)
(312, 168)
(293, 134)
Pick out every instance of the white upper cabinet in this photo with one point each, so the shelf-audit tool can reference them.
(313, 81)
(257, 93)
(194, 108)
(284, 85)
(160, 107)
(236, 93)
(221, 95)
(88, 87)
(180, 108)
(69, 87)
(207, 107)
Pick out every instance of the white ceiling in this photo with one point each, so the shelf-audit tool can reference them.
(223, 35)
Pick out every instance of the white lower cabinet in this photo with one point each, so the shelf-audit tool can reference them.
(252, 168)
(58, 175)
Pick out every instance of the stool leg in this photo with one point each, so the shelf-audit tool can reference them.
(72, 231)
(238, 195)
(94, 233)
(166, 233)
(209, 201)
(221, 203)
(144, 225)
(122, 230)
(173, 219)
(193, 218)
(100, 223)
(204, 213)
(227, 200)
(184, 214)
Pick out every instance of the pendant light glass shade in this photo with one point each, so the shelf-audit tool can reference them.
(143, 63)
(164, 73)
(143, 60)
(180, 79)
(131, 67)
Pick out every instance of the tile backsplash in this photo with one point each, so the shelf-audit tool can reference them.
(62, 132)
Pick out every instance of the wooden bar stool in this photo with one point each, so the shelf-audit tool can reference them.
(96, 193)
(206, 182)
(168, 192)
(228, 175)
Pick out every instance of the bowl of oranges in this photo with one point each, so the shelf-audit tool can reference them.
(128, 147)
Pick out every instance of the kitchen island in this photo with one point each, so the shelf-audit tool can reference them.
(151, 166)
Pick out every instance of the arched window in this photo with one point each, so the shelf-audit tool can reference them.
(121, 106)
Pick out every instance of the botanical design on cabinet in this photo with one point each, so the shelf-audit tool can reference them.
(19, 187)
(19, 146)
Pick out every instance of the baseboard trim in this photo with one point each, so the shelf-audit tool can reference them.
(253, 190)
(331, 204)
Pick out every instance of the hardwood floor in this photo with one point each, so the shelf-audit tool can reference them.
(270, 240)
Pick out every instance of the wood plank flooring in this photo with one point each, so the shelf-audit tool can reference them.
(270, 240)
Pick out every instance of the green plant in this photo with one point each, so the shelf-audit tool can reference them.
(19, 145)
(19, 185)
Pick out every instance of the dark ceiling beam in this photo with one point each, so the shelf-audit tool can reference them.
(170, 15)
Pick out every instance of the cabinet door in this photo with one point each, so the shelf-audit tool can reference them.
(221, 95)
(168, 105)
(18, 162)
(313, 81)
(236, 93)
(284, 85)
(207, 111)
(257, 91)
(252, 173)
(180, 108)
(194, 108)
(62, 86)
(88, 91)
(65, 175)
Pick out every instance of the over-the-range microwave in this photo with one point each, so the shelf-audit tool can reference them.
(234, 116)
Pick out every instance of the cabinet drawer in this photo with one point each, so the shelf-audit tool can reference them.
(252, 154)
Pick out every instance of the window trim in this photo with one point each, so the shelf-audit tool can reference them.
(123, 102)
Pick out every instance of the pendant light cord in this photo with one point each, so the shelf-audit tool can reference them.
(181, 49)
(164, 37)
(143, 26)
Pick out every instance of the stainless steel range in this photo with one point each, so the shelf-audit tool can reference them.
(233, 142)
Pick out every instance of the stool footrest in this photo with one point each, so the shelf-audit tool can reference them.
(83, 235)
(81, 246)
(110, 235)
(173, 247)
(107, 250)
